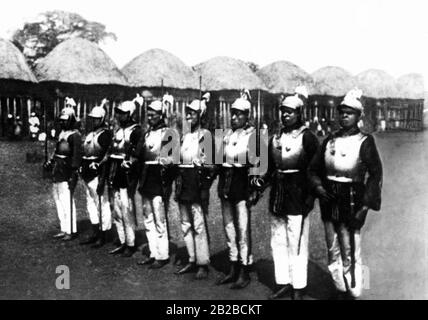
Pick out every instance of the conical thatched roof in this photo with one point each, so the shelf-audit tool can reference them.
(79, 61)
(377, 84)
(333, 81)
(225, 73)
(155, 65)
(411, 86)
(13, 64)
(284, 76)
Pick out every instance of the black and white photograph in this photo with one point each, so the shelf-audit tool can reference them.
(235, 150)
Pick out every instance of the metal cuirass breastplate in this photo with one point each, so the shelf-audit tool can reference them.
(121, 140)
(342, 158)
(236, 147)
(287, 149)
(91, 146)
(63, 146)
(153, 144)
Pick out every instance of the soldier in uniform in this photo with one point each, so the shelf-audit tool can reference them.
(95, 148)
(195, 176)
(347, 177)
(156, 155)
(290, 152)
(236, 193)
(65, 163)
(122, 176)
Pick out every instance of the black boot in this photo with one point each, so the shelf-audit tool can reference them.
(231, 276)
(146, 261)
(93, 237)
(338, 295)
(159, 264)
(70, 237)
(190, 267)
(298, 294)
(281, 292)
(202, 273)
(243, 279)
(118, 249)
(101, 240)
(129, 251)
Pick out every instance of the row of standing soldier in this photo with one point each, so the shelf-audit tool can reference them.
(130, 169)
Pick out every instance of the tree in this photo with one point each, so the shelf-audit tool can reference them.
(36, 39)
(253, 66)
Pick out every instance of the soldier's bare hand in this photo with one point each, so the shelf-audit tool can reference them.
(359, 219)
(47, 165)
(94, 166)
(164, 161)
(323, 194)
(126, 164)
(257, 182)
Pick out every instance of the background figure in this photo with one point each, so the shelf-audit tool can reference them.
(34, 126)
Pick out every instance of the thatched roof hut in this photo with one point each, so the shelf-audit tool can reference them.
(80, 69)
(411, 86)
(284, 76)
(225, 73)
(17, 85)
(151, 67)
(332, 81)
(79, 61)
(12, 63)
(377, 84)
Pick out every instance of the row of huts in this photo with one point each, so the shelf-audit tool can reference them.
(80, 69)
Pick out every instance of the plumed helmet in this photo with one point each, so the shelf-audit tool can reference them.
(241, 104)
(99, 111)
(353, 100)
(292, 102)
(127, 106)
(67, 113)
(70, 102)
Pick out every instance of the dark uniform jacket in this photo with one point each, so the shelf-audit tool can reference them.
(290, 153)
(67, 156)
(348, 166)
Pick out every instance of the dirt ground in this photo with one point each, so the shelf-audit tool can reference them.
(395, 242)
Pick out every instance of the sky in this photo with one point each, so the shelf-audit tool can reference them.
(391, 35)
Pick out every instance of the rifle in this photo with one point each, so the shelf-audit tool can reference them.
(46, 173)
(46, 132)
(259, 193)
(258, 125)
(101, 212)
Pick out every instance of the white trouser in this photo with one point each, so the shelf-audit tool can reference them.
(155, 224)
(236, 221)
(291, 264)
(124, 219)
(195, 233)
(61, 194)
(344, 258)
(93, 206)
